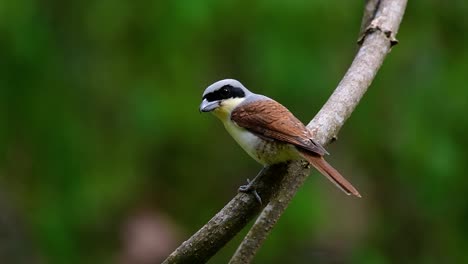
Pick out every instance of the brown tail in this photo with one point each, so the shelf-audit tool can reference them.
(333, 175)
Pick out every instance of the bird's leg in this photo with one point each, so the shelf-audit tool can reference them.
(249, 187)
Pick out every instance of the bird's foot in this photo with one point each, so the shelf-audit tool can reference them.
(246, 188)
(249, 188)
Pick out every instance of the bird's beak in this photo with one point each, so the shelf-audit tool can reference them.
(206, 106)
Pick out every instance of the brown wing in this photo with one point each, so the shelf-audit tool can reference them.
(271, 120)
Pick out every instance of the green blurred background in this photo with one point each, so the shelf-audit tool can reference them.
(106, 159)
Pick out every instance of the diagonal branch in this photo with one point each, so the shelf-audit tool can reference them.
(377, 39)
(227, 222)
(283, 180)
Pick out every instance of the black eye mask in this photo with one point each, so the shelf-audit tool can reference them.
(225, 92)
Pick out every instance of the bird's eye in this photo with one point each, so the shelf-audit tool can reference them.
(225, 91)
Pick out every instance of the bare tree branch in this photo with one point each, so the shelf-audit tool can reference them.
(283, 180)
(227, 222)
(376, 44)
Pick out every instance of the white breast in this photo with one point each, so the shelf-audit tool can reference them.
(248, 141)
(263, 151)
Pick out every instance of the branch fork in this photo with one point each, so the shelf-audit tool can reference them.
(278, 184)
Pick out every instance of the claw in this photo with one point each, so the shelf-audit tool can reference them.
(248, 188)
(259, 199)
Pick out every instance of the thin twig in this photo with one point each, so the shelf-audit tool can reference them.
(370, 10)
(279, 178)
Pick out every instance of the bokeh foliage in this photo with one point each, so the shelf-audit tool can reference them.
(99, 117)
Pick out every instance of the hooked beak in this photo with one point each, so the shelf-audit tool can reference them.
(206, 106)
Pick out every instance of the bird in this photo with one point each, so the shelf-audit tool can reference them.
(267, 131)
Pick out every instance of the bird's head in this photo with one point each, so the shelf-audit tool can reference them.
(222, 97)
